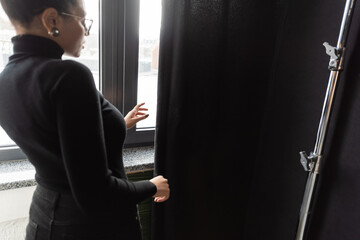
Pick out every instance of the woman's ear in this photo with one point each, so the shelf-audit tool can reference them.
(51, 19)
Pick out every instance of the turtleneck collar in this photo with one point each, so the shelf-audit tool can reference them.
(36, 45)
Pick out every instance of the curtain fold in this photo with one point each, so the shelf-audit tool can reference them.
(241, 87)
(215, 59)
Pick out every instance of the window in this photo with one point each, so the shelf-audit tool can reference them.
(149, 38)
(6, 32)
(8, 148)
(129, 76)
(124, 68)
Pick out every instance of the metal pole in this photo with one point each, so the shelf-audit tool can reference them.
(312, 162)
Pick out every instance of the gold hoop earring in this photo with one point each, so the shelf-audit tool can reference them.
(54, 32)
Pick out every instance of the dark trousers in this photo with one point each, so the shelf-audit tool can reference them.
(55, 216)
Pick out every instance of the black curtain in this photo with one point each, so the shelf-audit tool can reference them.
(241, 86)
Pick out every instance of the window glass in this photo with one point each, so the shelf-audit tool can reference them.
(6, 49)
(149, 36)
(89, 55)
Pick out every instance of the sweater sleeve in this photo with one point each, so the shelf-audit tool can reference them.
(79, 123)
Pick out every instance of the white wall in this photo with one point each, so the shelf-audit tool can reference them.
(14, 212)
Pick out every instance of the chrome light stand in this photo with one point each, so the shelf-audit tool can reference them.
(311, 163)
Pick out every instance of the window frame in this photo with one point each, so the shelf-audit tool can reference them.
(119, 49)
(119, 62)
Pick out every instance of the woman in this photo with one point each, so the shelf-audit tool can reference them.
(70, 133)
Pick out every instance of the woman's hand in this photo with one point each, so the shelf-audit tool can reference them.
(163, 191)
(135, 115)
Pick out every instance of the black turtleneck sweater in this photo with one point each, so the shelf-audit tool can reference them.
(69, 132)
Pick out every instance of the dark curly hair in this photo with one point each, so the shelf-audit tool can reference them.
(24, 11)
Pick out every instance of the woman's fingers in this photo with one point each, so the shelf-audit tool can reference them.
(163, 190)
(160, 199)
(140, 113)
(139, 105)
(142, 117)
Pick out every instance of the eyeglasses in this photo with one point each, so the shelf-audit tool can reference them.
(87, 23)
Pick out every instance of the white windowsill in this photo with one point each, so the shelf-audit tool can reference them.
(20, 173)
